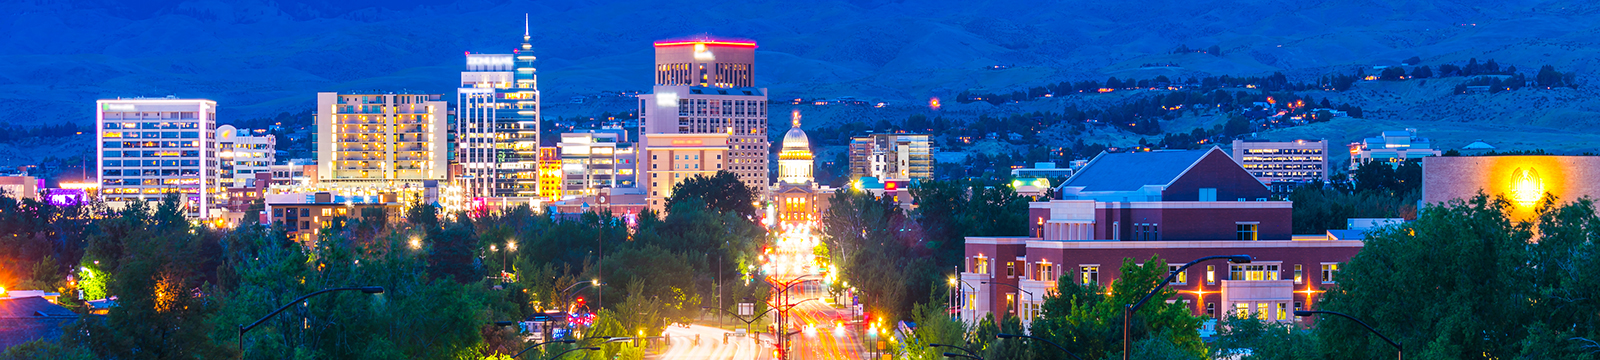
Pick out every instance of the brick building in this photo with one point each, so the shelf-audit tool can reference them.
(1180, 205)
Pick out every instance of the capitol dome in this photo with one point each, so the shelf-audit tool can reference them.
(796, 140)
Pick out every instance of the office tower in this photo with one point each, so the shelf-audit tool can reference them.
(380, 140)
(243, 155)
(594, 160)
(892, 156)
(150, 147)
(497, 124)
(672, 158)
(705, 86)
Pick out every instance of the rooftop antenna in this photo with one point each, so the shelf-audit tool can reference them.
(524, 25)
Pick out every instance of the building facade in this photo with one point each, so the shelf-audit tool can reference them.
(1522, 179)
(151, 147)
(243, 155)
(1281, 165)
(1178, 205)
(497, 124)
(1392, 147)
(671, 158)
(706, 86)
(892, 156)
(550, 172)
(381, 140)
(797, 198)
(594, 160)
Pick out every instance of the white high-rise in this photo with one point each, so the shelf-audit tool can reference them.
(150, 147)
(243, 155)
(497, 124)
(706, 86)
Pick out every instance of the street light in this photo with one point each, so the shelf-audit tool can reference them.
(961, 293)
(972, 354)
(1052, 343)
(1400, 349)
(1127, 311)
(244, 328)
(563, 341)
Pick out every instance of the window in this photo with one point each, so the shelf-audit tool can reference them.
(327, 212)
(1208, 194)
(1254, 272)
(1211, 309)
(1298, 277)
(980, 265)
(1241, 310)
(1283, 311)
(1247, 231)
(1116, 230)
(1211, 274)
(1328, 272)
(1182, 278)
(1011, 303)
(1145, 232)
(1261, 311)
(1011, 269)
(1299, 306)
(1046, 271)
(1090, 274)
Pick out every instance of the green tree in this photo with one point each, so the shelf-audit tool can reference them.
(1088, 322)
(1473, 294)
(723, 192)
(1262, 340)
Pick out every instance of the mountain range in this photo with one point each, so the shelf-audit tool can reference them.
(259, 58)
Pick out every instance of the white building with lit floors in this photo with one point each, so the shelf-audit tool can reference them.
(243, 155)
(150, 147)
(380, 140)
(796, 197)
(706, 86)
(1178, 205)
(497, 124)
(594, 160)
(670, 159)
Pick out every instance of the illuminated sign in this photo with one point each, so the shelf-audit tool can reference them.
(120, 107)
(706, 42)
(688, 142)
(1526, 186)
(489, 60)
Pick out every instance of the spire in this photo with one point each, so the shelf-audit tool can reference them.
(524, 26)
(796, 118)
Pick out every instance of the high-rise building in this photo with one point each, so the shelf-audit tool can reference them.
(380, 139)
(497, 124)
(550, 172)
(672, 158)
(707, 87)
(151, 147)
(243, 155)
(892, 156)
(1283, 165)
(594, 160)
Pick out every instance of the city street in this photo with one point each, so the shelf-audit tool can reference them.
(710, 345)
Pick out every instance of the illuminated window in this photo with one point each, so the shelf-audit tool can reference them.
(1089, 274)
(327, 212)
(1283, 311)
(1328, 272)
(980, 265)
(1254, 272)
(1241, 310)
(1011, 269)
(1211, 274)
(1261, 311)
(1298, 278)
(1248, 231)
(1211, 309)
(1046, 271)
(1182, 278)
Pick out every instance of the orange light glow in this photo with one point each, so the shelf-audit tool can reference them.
(1526, 186)
(933, 103)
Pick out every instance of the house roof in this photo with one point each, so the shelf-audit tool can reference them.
(32, 307)
(1134, 170)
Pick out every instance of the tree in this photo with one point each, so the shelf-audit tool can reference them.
(1214, 50)
(1422, 72)
(1264, 340)
(1476, 299)
(1412, 61)
(1548, 77)
(1088, 322)
(723, 192)
(1392, 74)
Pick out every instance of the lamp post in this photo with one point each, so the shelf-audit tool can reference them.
(961, 294)
(244, 328)
(1127, 311)
(1400, 349)
(1019, 303)
(563, 341)
(1052, 343)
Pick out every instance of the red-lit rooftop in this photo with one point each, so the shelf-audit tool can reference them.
(749, 43)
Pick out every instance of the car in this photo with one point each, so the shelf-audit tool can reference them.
(739, 332)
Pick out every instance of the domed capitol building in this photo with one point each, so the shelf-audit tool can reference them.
(796, 195)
